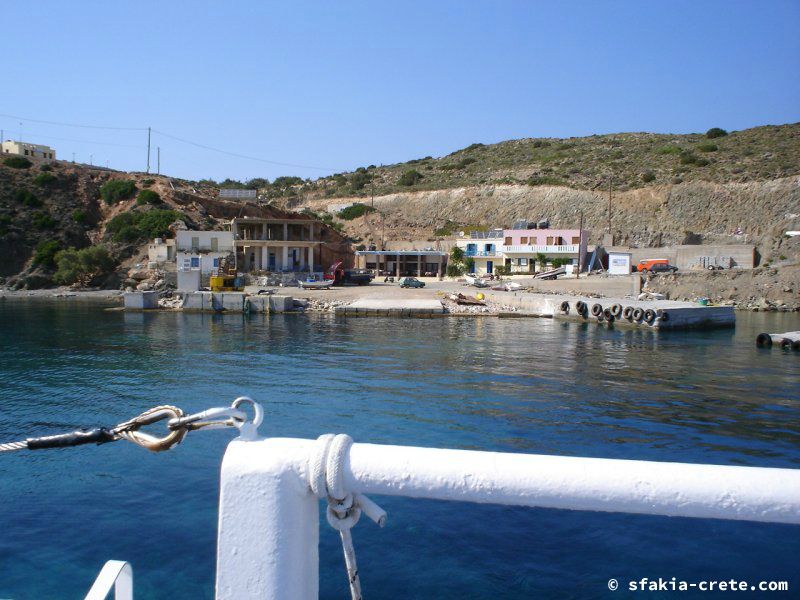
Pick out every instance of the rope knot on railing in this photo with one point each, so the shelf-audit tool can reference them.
(326, 468)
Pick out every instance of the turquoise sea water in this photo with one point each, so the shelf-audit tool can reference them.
(536, 386)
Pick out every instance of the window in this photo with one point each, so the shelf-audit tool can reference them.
(508, 241)
(26, 153)
(523, 241)
(195, 243)
(216, 263)
(214, 244)
(50, 155)
(522, 262)
(195, 262)
(549, 240)
(576, 239)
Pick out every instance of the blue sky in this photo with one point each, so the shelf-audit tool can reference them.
(337, 85)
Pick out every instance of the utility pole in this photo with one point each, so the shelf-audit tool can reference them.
(158, 154)
(609, 204)
(580, 238)
(148, 149)
(73, 158)
(91, 158)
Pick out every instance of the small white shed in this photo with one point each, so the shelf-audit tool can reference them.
(619, 263)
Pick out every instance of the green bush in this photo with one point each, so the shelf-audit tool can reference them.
(148, 197)
(45, 253)
(5, 221)
(148, 182)
(17, 162)
(701, 162)
(669, 149)
(688, 157)
(45, 179)
(715, 132)
(538, 180)
(118, 190)
(136, 226)
(455, 269)
(473, 147)
(707, 147)
(410, 177)
(155, 223)
(82, 266)
(354, 211)
(42, 220)
(648, 176)
(456, 254)
(79, 216)
(46, 168)
(27, 198)
(447, 229)
(359, 180)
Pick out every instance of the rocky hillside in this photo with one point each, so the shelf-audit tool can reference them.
(666, 189)
(49, 207)
(649, 216)
(630, 160)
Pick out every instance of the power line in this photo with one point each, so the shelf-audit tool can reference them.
(167, 135)
(263, 160)
(74, 124)
(60, 139)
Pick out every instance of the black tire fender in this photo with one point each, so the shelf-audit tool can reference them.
(764, 340)
(597, 310)
(638, 313)
(649, 316)
(627, 313)
(565, 307)
(616, 310)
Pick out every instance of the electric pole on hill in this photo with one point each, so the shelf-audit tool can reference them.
(148, 149)
(609, 205)
(158, 160)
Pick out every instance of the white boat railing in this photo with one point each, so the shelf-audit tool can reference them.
(116, 575)
(268, 533)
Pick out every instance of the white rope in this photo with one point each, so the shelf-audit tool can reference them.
(326, 466)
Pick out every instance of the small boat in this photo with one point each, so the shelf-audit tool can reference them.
(315, 284)
(474, 280)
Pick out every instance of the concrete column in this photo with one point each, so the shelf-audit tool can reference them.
(397, 266)
(441, 263)
(419, 265)
(311, 232)
(311, 259)
(285, 258)
(285, 232)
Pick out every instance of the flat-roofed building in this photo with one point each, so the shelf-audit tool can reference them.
(27, 149)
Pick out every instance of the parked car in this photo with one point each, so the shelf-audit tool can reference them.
(647, 265)
(411, 282)
(662, 268)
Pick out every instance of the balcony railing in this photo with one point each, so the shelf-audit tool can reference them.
(480, 253)
(547, 249)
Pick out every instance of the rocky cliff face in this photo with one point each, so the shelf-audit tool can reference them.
(651, 216)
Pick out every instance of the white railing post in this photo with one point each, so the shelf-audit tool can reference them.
(268, 523)
(116, 575)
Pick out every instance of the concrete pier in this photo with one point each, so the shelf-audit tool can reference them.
(236, 302)
(140, 300)
(392, 307)
(652, 314)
